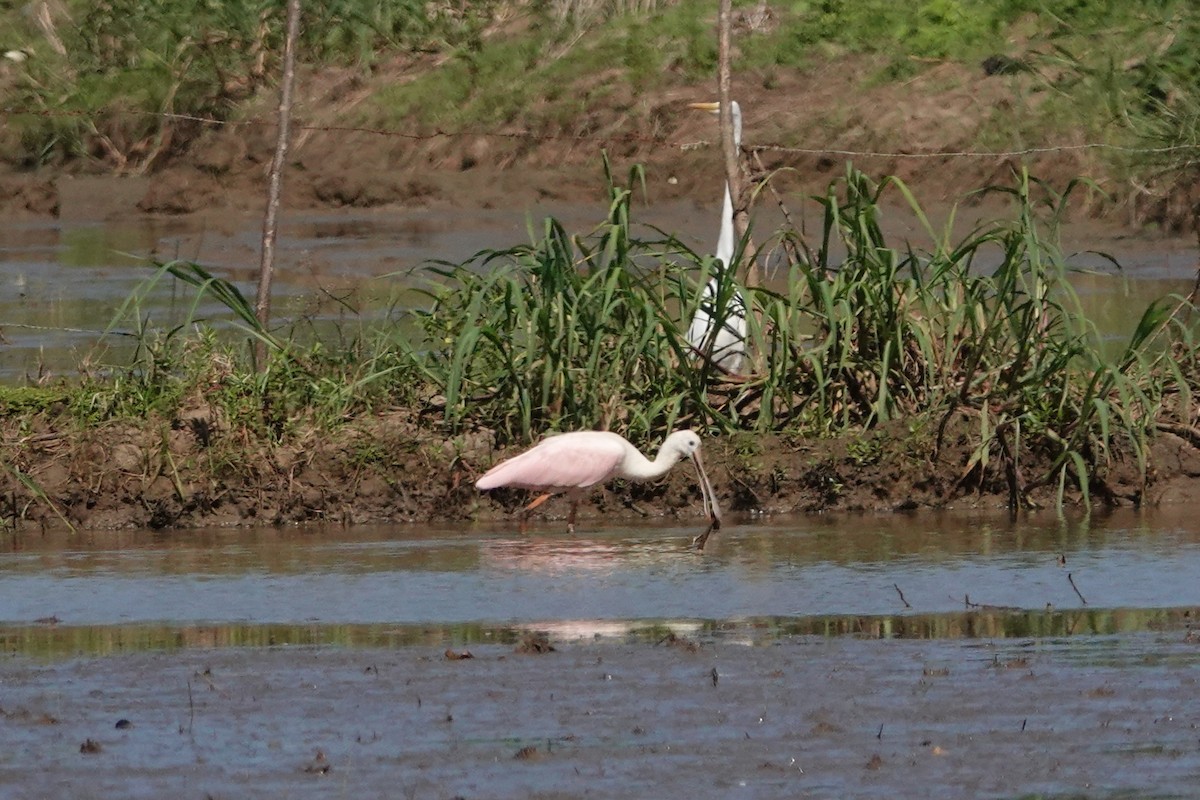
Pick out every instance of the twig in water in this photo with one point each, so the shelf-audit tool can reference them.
(1076, 588)
(191, 707)
(902, 600)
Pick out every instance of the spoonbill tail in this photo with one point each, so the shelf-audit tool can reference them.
(575, 462)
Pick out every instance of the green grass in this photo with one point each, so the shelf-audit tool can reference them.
(574, 332)
(980, 332)
(128, 60)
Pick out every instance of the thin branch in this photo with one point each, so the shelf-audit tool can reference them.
(733, 173)
(262, 306)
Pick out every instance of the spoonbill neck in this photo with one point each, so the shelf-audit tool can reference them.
(637, 467)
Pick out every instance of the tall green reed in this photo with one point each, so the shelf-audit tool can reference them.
(566, 332)
(986, 327)
(585, 331)
(982, 332)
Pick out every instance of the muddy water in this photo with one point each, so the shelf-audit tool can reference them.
(805, 717)
(63, 282)
(418, 575)
(949, 656)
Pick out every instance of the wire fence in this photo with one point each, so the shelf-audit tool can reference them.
(630, 138)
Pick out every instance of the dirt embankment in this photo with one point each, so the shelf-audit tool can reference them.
(191, 471)
(924, 130)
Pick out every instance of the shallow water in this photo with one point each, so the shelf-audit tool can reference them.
(63, 283)
(828, 656)
(804, 567)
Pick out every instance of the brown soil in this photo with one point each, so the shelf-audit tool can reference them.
(813, 118)
(194, 472)
(191, 471)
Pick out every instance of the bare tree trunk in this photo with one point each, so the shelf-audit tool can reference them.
(262, 305)
(733, 172)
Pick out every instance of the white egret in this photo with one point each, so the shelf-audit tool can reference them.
(718, 331)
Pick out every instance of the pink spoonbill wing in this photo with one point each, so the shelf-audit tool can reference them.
(566, 461)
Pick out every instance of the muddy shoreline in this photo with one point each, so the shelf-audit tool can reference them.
(189, 473)
(838, 717)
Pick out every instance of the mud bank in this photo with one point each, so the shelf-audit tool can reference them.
(193, 472)
(842, 717)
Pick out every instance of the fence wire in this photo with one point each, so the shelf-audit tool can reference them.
(633, 138)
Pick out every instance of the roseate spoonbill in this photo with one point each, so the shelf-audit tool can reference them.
(574, 462)
(725, 346)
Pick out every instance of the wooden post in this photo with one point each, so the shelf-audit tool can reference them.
(733, 172)
(262, 305)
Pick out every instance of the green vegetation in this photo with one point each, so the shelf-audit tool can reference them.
(564, 335)
(1100, 71)
(99, 81)
(566, 332)
(301, 385)
(581, 331)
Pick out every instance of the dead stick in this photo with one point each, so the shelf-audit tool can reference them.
(788, 244)
(1194, 295)
(787, 215)
(1076, 588)
(731, 156)
(902, 600)
(262, 304)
